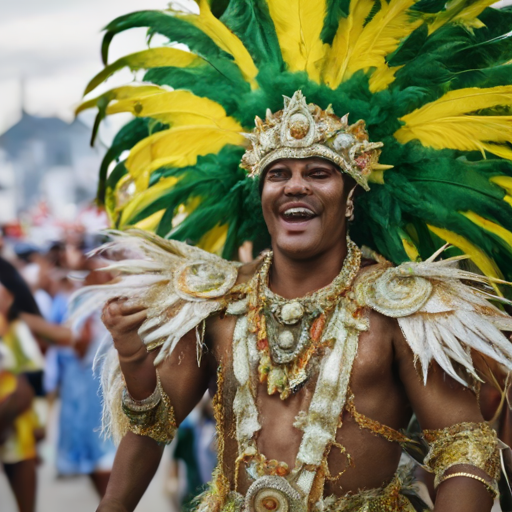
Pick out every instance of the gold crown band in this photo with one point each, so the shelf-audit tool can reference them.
(303, 131)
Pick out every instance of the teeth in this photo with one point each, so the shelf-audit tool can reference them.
(299, 212)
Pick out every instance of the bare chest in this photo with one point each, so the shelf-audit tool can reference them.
(374, 388)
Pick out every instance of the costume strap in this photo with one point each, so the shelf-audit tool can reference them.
(374, 426)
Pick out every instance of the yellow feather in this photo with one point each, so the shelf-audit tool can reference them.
(505, 182)
(344, 42)
(298, 26)
(450, 122)
(224, 39)
(151, 222)
(480, 259)
(382, 35)
(462, 101)
(184, 210)
(120, 93)
(490, 226)
(382, 77)
(462, 12)
(377, 176)
(147, 59)
(144, 198)
(178, 108)
(177, 147)
(502, 151)
(213, 241)
(410, 250)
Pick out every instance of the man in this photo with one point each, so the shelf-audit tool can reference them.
(317, 356)
(302, 311)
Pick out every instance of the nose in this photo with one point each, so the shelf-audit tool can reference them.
(296, 186)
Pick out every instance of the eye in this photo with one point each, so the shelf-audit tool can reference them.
(319, 173)
(277, 174)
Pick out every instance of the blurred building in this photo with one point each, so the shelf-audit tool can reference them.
(45, 158)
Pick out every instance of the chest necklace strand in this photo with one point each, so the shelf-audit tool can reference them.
(277, 338)
(289, 331)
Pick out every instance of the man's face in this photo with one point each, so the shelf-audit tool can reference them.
(304, 205)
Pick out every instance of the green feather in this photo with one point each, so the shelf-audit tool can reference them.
(336, 9)
(409, 47)
(429, 6)
(205, 81)
(218, 7)
(175, 29)
(250, 20)
(126, 138)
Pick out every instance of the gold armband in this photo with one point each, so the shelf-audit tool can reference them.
(152, 417)
(473, 444)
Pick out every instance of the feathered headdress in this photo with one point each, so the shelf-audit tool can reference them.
(431, 79)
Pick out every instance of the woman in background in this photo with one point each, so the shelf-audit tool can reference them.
(20, 324)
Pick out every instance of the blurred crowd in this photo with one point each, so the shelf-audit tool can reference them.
(46, 367)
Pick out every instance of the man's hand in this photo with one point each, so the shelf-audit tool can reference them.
(123, 321)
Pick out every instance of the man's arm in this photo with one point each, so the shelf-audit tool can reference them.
(135, 465)
(441, 403)
(183, 380)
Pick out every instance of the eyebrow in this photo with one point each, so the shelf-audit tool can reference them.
(325, 165)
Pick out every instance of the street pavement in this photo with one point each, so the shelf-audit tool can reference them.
(77, 494)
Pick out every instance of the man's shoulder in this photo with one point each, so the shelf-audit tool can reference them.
(247, 271)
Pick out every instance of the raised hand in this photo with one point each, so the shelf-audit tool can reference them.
(123, 320)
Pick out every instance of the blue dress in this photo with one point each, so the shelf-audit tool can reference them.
(80, 449)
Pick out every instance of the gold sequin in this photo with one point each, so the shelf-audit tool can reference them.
(474, 444)
(386, 499)
(158, 423)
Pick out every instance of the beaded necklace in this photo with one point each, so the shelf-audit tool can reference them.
(289, 331)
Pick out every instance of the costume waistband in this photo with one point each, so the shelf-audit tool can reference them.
(397, 496)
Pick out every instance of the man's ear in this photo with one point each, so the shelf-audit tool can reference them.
(350, 196)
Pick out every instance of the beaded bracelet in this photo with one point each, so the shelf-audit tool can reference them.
(146, 404)
(490, 487)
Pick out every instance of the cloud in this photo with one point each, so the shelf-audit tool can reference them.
(55, 47)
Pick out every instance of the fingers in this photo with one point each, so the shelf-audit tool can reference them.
(120, 320)
(122, 306)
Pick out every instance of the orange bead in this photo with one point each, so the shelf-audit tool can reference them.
(317, 328)
(270, 504)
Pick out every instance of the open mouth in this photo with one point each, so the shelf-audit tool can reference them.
(298, 214)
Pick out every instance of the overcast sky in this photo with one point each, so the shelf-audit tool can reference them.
(54, 46)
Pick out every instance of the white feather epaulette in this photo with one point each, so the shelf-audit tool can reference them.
(180, 286)
(444, 313)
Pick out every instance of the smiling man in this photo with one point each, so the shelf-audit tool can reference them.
(316, 356)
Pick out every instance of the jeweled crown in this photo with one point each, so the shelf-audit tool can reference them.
(302, 131)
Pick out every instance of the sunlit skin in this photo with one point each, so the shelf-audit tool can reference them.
(314, 183)
(300, 244)
(309, 249)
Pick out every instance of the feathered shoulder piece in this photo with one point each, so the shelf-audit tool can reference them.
(444, 312)
(180, 286)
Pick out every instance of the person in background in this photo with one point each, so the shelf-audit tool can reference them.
(16, 434)
(196, 447)
(18, 449)
(23, 332)
(81, 449)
